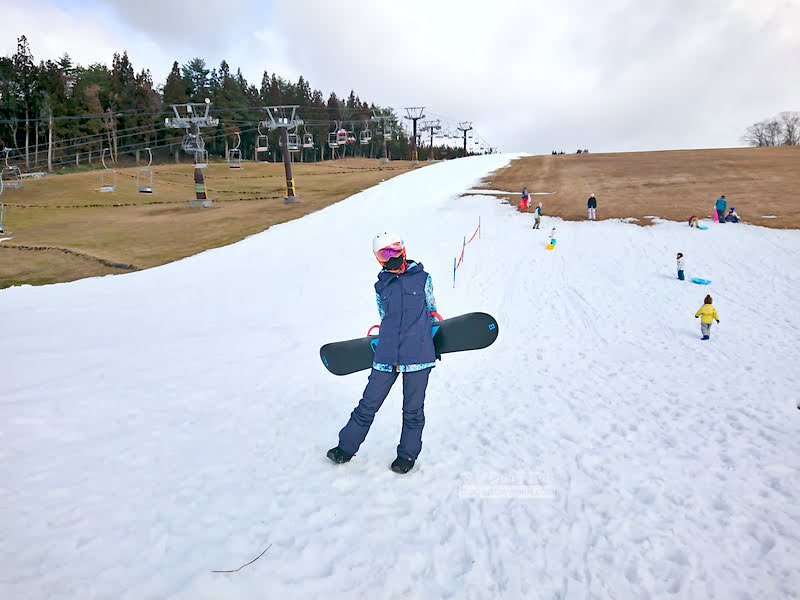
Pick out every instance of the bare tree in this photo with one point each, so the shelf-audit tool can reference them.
(773, 130)
(783, 130)
(791, 128)
(755, 135)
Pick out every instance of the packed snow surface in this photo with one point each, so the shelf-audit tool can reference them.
(161, 425)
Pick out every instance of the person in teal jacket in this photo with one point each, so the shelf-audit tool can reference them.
(721, 205)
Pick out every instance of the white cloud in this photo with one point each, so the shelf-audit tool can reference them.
(531, 75)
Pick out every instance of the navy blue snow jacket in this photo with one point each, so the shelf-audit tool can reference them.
(405, 336)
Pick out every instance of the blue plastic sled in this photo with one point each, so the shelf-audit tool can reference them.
(702, 227)
(701, 281)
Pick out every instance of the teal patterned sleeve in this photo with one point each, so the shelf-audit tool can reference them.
(429, 299)
(381, 312)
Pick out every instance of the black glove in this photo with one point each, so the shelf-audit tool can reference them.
(696, 317)
(717, 321)
(438, 356)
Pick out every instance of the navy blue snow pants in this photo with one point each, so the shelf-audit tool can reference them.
(378, 386)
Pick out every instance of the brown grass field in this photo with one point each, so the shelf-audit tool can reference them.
(62, 229)
(674, 185)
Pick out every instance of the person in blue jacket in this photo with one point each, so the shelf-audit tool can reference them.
(591, 203)
(721, 205)
(404, 292)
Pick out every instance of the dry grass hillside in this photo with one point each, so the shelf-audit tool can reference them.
(63, 229)
(762, 183)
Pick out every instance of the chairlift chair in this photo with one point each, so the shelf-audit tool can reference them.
(11, 174)
(201, 158)
(108, 177)
(365, 136)
(262, 144)
(235, 154)
(351, 137)
(192, 143)
(333, 139)
(234, 158)
(341, 137)
(144, 176)
(308, 140)
(292, 142)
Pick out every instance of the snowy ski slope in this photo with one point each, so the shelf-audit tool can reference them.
(160, 425)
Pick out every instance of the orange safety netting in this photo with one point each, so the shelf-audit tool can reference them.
(465, 245)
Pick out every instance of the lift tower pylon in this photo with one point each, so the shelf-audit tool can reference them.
(192, 117)
(285, 118)
(382, 116)
(465, 126)
(433, 127)
(415, 114)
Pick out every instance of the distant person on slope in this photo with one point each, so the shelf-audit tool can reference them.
(680, 265)
(526, 198)
(553, 236)
(537, 216)
(694, 221)
(404, 292)
(707, 314)
(732, 216)
(592, 204)
(721, 205)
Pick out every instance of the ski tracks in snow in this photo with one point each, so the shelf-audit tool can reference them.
(598, 449)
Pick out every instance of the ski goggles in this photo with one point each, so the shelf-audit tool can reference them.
(385, 254)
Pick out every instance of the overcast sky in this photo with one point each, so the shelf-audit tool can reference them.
(532, 76)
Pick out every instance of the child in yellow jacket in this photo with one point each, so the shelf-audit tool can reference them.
(707, 314)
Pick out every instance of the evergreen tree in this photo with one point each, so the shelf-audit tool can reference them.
(195, 79)
(174, 89)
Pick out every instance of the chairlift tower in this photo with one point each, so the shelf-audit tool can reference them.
(465, 126)
(414, 113)
(192, 117)
(433, 127)
(382, 116)
(285, 118)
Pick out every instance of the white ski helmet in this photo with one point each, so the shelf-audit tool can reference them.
(386, 240)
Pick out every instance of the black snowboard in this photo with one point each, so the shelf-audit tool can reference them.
(471, 331)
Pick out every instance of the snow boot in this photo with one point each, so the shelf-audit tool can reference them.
(338, 455)
(705, 337)
(402, 465)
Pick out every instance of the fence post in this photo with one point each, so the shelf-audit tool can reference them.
(454, 272)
